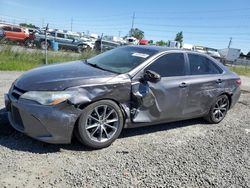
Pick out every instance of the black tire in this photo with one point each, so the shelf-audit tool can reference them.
(29, 43)
(80, 49)
(88, 48)
(218, 110)
(90, 132)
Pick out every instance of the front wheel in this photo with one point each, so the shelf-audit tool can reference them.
(100, 124)
(80, 49)
(29, 43)
(218, 110)
(43, 45)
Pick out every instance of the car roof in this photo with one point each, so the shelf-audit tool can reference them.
(158, 49)
(151, 47)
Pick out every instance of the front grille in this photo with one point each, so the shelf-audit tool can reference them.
(16, 92)
(16, 117)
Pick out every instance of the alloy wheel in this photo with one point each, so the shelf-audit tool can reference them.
(220, 108)
(102, 123)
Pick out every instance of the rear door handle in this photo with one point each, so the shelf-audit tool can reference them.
(182, 85)
(219, 81)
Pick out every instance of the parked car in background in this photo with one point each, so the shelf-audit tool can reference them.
(1, 33)
(214, 53)
(64, 40)
(132, 40)
(18, 34)
(122, 88)
(104, 45)
(143, 42)
(229, 55)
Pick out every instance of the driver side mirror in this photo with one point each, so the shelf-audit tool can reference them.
(151, 76)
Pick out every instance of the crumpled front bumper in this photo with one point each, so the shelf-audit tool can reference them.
(51, 124)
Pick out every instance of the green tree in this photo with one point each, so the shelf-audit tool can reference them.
(179, 37)
(161, 43)
(151, 42)
(27, 25)
(137, 33)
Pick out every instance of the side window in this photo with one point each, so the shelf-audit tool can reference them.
(7, 28)
(70, 37)
(15, 29)
(172, 64)
(53, 34)
(60, 35)
(200, 65)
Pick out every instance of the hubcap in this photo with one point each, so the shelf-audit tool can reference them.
(220, 109)
(102, 123)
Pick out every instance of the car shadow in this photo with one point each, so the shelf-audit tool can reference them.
(12, 139)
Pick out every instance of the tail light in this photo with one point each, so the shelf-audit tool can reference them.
(238, 82)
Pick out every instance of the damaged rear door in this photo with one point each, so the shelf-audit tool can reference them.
(162, 100)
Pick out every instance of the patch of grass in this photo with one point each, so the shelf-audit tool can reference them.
(240, 70)
(26, 59)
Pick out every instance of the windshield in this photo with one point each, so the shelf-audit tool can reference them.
(121, 60)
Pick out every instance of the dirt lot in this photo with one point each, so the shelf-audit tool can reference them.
(182, 154)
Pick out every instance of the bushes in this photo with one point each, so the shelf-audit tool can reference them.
(24, 59)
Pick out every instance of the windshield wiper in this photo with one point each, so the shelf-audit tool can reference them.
(99, 67)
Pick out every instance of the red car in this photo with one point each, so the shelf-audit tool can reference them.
(143, 42)
(17, 34)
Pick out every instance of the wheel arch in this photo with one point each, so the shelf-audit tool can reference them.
(229, 95)
(42, 40)
(83, 105)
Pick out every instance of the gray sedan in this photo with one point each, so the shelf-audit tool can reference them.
(123, 88)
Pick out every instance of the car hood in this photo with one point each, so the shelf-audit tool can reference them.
(58, 77)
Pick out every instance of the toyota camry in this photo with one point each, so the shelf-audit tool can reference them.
(126, 87)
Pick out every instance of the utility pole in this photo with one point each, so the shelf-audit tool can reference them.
(119, 34)
(101, 43)
(230, 42)
(133, 22)
(46, 45)
(42, 22)
(71, 23)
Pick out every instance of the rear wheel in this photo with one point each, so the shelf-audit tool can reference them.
(218, 110)
(100, 124)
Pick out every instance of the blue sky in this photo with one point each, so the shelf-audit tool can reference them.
(209, 23)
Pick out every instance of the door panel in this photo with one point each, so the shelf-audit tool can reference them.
(205, 84)
(60, 39)
(201, 92)
(161, 101)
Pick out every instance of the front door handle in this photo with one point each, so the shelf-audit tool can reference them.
(183, 84)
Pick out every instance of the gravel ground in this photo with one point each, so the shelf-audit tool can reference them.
(182, 154)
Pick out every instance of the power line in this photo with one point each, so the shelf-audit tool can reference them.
(196, 33)
(219, 18)
(196, 11)
(192, 26)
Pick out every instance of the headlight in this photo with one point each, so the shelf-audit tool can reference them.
(48, 97)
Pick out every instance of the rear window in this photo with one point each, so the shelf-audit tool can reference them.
(200, 65)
